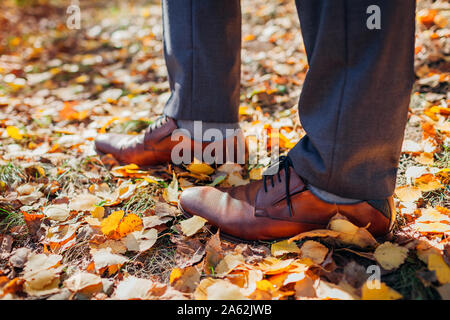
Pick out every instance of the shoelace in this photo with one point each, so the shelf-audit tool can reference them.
(157, 124)
(283, 163)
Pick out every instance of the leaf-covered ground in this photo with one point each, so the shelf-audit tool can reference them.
(78, 226)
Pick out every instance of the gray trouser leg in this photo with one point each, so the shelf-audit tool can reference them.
(355, 98)
(202, 45)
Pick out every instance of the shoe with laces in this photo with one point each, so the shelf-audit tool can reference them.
(154, 146)
(278, 207)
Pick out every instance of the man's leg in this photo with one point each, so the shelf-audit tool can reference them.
(353, 107)
(202, 45)
(355, 98)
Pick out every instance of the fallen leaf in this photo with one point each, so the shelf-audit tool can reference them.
(200, 168)
(192, 225)
(408, 193)
(314, 250)
(171, 193)
(185, 280)
(104, 258)
(129, 224)
(282, 247)
(328, 290)
(83, 202)
(84, 282)
(228, 263)
(379, 291)
(98, 213)
(442, 270)
(14, 132)
(351, 234)
(390, 255)
(142, 240)
(428, 182)
(304, 288)
(110, 224)
(132, 288)
(218, 289)
(57, 212)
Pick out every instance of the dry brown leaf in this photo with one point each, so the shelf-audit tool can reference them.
(185, 280)
(304, 288)
(314, 250)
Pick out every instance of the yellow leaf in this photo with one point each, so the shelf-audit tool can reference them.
(390, 255)
(425, 158)
(272, 265)
(110, 224)
(428, 182)
(150, 180)
(14, 133)
(98, 212)
(256, 173)
(379, 291)
(129, 224)
(437, 264)
(192, 225)
(283, 247)
(351, 234)
(265, 285)
(175, 274)
(200, 168)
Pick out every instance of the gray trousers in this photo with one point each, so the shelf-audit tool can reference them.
(354, 101)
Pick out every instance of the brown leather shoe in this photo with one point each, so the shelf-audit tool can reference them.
(154, 146)
(279, 207)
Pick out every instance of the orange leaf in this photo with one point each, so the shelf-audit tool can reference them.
(110, 224)
(129, 224)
